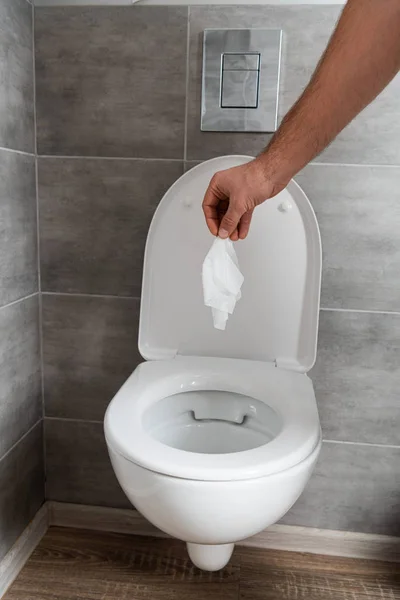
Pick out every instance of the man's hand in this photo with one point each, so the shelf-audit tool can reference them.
(360, 60)
(232, 197)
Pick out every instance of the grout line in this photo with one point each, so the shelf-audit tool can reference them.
(40, 317)
(144, 158)
(19, 300)
(91, 421)
(127, 158)
(325, 164)
(34, 80)
(348, 443)
(40, 305)
(20, 440)
(79, 295)
(38, 239)
(16, 151)
(114, 296)
(361, 310)
(371, 444)
(338, 164)
(186, 86)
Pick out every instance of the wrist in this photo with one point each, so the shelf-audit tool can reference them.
(272, 171)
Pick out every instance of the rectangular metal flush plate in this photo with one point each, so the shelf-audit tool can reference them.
(240, 79)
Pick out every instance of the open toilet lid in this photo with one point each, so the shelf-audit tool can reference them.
(277, 318)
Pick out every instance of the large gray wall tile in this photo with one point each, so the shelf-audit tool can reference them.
(372, 138)
(16, 76)
(78, 466)
(89, 350)
(94, 220)
(358, 210)
(111, 81)
(306, 32)
(18, 226)
(21, 487)
(354, 488)
(20, 372)
(357, 377)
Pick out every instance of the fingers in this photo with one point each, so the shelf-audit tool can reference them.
(229, 222)
(244, 224)
(224, 214)
(212, 219)
(213, 199)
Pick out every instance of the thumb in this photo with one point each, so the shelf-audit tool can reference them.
(229, 221)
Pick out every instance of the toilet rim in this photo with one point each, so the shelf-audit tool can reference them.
(126, 436)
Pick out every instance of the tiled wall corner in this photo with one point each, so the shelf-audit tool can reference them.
(18, 227)
(111, 111)
(21, 440)
(21, 486)
(20, 390)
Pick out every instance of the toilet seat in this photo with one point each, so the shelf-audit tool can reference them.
(288, 393)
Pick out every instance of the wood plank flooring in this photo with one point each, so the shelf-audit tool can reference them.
(71, 564)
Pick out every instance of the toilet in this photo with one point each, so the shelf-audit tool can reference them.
(215, 435)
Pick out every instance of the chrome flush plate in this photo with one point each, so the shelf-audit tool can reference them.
(241, 69)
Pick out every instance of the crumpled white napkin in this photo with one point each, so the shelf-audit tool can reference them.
(222, 281)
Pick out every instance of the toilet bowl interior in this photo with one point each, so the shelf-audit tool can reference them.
(212, 422)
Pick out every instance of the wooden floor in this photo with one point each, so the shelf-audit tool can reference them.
(72, 564)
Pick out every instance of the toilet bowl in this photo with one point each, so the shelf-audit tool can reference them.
(214, 437)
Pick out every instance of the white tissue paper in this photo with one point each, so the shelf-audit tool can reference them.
(222, 281)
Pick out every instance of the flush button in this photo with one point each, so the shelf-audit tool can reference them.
(241, 62)
(240, 75)
(239, 89)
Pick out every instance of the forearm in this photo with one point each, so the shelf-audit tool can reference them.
(363, 55)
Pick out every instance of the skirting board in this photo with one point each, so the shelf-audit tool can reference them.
(277, 537)
(15, 559)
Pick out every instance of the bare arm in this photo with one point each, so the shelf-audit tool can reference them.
(362, 57)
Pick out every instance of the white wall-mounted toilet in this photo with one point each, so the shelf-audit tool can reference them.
(214, 438)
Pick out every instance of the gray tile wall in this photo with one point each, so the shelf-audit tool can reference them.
(118, 121)
(21, 439)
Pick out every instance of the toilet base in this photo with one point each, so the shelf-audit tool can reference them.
(210, 557)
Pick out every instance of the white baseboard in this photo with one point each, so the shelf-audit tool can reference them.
(277, 537)
(15, 559)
